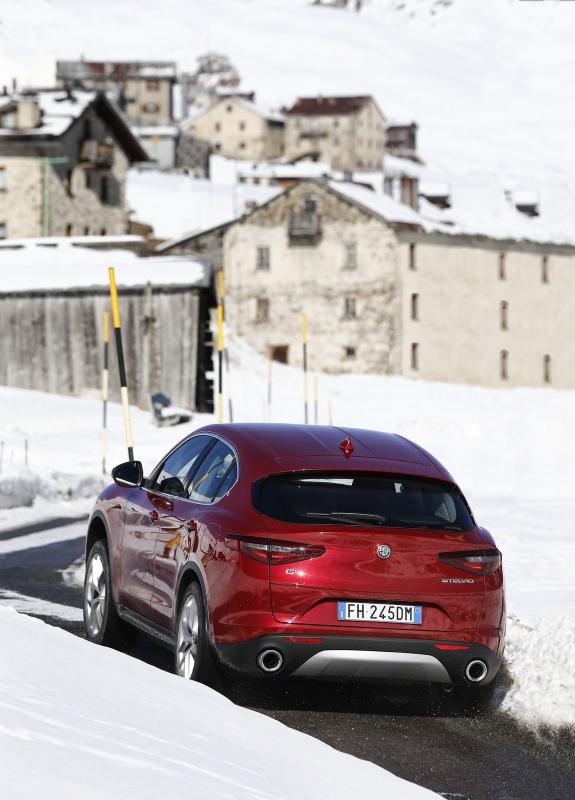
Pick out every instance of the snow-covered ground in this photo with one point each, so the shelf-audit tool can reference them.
(74, 715)
(509, 449)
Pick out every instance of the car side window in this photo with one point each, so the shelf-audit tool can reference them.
(228, 481)
(171, 478)
(210, 473)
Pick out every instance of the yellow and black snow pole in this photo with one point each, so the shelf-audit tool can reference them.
(220, 347)
(121, 363)
(106, 329)
(304, 353)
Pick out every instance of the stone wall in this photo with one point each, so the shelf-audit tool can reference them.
(314, 279)
(460, 331)
(52, 341)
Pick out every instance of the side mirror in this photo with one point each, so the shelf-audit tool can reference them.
(130, 474)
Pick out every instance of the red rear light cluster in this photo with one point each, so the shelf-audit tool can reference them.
(268, 551)
(481, 562)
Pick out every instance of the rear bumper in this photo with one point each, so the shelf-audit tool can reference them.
(352, 657)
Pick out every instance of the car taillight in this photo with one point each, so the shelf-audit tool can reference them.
(481, 562)
(269, 551)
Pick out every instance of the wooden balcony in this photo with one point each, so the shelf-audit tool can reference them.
(304, 227)
(96, 155)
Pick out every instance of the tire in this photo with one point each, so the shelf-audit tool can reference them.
(102, 624)
(194, 659)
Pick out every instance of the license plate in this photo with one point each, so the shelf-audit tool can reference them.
(379, 612)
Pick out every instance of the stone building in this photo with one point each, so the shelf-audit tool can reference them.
(142, 89)
(347, 132)
(237, 128)
(63, 162)
(385, 291)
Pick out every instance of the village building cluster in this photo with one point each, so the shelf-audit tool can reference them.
(349, 224)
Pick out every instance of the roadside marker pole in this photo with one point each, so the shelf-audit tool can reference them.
(220, 360)
(105, 389)
(26, 453)
(269, 404)
(315, 408)
(121, 363)
(1, 455)
(330, 411)
(226, 355)
(304, 352)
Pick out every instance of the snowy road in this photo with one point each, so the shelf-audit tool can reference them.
(487, 758)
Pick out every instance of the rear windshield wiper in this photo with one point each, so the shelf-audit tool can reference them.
(350, 517)
(423, 525)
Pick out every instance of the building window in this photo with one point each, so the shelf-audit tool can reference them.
(504, 365)
(242, 145)
(86, 230)
(544, 267)
(217, 147)
(502, 267)
(102, 231)
(2, 230)
(218, 127)
(415, 306)
(412, 263)
(349, 352)
(229, 109)
(350, 261)
(504, 315)
(280, 353)
(388, 186)
(242, 126)
(262, 309)
(349, 311)
(414, 355)
(69, 229)
(104, 189)
(310, 204)
(153, 86)
(150, 108)
(546, 369)
(263, 258)
(2, 179)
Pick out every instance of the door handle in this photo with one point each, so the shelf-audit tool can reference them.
(154, 516)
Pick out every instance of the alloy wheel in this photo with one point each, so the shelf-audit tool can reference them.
(188, 631)
(95, 596)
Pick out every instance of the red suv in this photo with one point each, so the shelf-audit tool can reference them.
(287, 550)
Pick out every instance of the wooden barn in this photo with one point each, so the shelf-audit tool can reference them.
(51, 317)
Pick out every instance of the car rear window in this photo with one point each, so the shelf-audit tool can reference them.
(362, 499)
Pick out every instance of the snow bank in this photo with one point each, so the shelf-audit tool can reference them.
(23, 487)
(540, 659)
(112, 726)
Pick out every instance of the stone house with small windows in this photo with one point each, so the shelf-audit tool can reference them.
(238, 128)
(347, 132)
(142, 89)
(384, 292)
(63, 162)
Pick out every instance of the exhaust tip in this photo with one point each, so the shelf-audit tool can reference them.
(476, 671)
(270, 660)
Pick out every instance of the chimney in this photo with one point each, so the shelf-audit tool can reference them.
(28, 112)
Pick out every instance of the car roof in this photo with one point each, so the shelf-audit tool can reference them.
(277, 445)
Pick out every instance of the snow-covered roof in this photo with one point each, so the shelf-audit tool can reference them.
(71, 241)
(58, 108)
(378, 203)
(176, 203)
(301, 169)
(263, 111)
(163, 131)
(71, 268)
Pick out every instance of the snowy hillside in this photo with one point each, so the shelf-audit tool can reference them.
(486, 81)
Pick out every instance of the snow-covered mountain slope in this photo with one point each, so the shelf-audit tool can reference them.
(487, 81)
